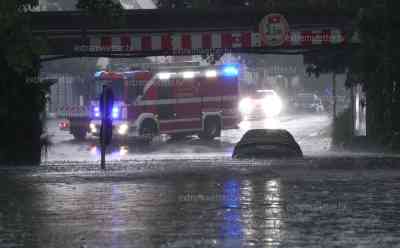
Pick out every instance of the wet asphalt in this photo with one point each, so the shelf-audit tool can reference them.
(202, 198)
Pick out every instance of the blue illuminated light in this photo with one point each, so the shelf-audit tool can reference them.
(114, 113)
(230, 71)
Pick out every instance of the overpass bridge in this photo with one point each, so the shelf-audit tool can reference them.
(139, 33)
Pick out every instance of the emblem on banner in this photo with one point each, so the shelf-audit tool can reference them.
(273, 29)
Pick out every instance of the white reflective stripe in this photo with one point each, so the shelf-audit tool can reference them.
(317, 37)
(176, 42)
(156, 42)
(230, 117)
(136, 43)
(185, 100)
(116, 43)
(230, 98)
(216, 40)
(231, 127)
(212, 98)
(295, 38)
(182, 130)
(157, 102)
(255, 40)
(196, 41)
(149, 84)
(179, 120)
(188, 100)
(237, 40)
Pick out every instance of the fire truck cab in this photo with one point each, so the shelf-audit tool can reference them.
(175, 101)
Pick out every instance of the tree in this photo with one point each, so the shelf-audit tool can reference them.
(377, 65)
(22, 95)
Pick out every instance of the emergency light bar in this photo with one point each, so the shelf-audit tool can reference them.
(230, 71)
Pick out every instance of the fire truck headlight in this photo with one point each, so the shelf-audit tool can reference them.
(115, 113)
(93, 128)
(96, 112)
(231, 71)
(211, 73)
(123, 129)
(245, 106)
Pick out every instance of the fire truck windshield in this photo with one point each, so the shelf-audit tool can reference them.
(117, 86)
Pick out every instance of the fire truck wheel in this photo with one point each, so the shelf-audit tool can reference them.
(212, 128)
(78, 134)
(148, 130)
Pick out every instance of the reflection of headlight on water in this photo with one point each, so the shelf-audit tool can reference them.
(123, 150)
(93, 150)
(245, 106)
(273, 106)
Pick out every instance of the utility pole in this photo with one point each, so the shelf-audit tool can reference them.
(334, 97)
(103, 134)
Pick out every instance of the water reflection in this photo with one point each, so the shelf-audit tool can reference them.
(231, 227)
(197, 211)
(268, 123)
(273, 213)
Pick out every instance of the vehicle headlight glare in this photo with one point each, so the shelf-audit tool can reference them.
(273, 106)
(123, 129)
(93, 128)
(245, 106)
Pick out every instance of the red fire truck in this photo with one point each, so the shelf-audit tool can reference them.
(175, 101)
(76, 116)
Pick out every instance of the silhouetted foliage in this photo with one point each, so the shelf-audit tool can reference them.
(22, 95)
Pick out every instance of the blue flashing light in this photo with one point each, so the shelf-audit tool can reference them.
(115, 113)
(115, 110)
(230, 71)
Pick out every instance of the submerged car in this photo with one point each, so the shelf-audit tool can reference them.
(267, 143)
(264, 103)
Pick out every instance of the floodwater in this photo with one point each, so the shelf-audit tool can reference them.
(302, 203)
(310, 131)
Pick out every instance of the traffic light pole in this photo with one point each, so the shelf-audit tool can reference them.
(103, 135)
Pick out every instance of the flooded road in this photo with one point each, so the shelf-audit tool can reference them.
(310, 130)
(322, 202)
